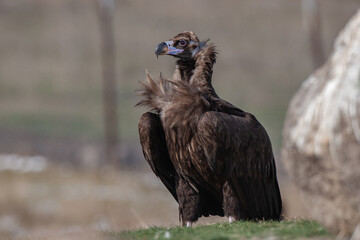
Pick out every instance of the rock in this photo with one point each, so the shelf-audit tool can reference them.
(321, 136)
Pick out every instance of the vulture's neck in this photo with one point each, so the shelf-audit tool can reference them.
(184, 70)
(198, 71)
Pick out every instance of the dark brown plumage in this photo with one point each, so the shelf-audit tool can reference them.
(214, 158)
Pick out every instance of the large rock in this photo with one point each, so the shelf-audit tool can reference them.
(321, 137)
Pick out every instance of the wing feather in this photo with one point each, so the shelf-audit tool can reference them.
(152, 139)
(238, 148)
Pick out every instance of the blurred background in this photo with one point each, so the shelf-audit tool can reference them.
(70, 158)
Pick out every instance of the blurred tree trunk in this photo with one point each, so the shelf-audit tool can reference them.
(321, 136)
(106, 14)
(312, 25)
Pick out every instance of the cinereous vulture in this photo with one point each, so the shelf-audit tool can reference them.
(214, 158)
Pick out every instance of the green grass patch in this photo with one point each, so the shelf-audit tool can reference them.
(293, 229)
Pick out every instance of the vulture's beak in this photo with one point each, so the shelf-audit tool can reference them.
(166, 48)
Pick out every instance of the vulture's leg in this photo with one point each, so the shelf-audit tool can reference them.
(231, 203)
(152, 139)
(189, 200)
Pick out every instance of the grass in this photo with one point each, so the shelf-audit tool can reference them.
(292, 229)
(58, 199)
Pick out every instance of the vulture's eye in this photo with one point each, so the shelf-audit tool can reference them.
(182, 43)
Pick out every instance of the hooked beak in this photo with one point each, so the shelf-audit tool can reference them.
(166, 48)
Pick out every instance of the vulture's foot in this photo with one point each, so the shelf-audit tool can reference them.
(231, 203)
(231, 219)
(189, 224)
(189, 200)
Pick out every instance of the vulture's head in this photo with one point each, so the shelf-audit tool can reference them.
(184, 46)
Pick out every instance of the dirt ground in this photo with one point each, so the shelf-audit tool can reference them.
(59, 203)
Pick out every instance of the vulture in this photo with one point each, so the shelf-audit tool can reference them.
(214, 158)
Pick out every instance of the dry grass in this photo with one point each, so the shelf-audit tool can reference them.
(62, 202)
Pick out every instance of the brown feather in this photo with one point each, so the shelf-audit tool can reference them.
(222, 155)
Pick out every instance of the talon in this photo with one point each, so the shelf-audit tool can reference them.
(189, 224)
(231, 219)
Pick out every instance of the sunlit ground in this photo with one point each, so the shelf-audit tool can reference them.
(59, 201)
(63, 203)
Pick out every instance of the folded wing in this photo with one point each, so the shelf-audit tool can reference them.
(152, 139)
(238, 147)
